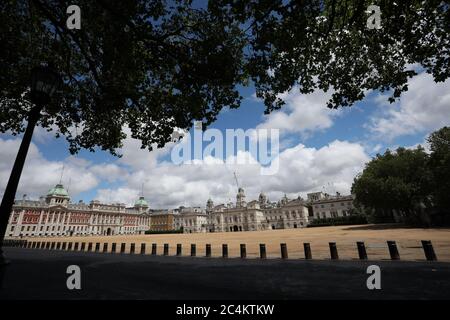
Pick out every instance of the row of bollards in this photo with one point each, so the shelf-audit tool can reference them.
(362, 253)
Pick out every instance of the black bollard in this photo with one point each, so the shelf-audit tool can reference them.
(166, 249)
(105, 247)
(284, 253)
(208, 250)
(193, 250)
(361, 250)
(333, 251)
(262, 251)
(142, 248)
(113, 247)
(243, 251)
(122, 248)
(153, 248)
(393, 251)
(132, 248)
(307, 248)
(224, 251)
(179, 249)
(429, 251)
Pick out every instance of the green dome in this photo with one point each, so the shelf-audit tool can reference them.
(141, 202)
(58, 191)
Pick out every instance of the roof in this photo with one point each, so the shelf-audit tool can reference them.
(58, 191)
(141, 202)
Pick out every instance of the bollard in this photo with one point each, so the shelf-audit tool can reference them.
(224, 251)
(83, 246)
(429, 251)
(243, 251)
(97, 247)
(307, 248)
(153, 248)
(208, 250)
(75, 246)
(166, 249)
(132, 248)
(89, 249)
(193, 250)
(179, 249)
(333, 251)
(58, 246)
(393, 251)
(105, 247)
(69, 246)
(122, 248)
(361, 250)
(262, 251)
(64, 244)
(284, 253)
(142, 248)
(113, 247)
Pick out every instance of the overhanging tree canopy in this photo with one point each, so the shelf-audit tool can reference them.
(156, 65)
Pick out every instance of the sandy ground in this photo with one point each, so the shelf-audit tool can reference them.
(374, 237)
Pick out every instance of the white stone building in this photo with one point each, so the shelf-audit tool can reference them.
(55, 215)
(326, 206)
(256, 215)
(191, 220)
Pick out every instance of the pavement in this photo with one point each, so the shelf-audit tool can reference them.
(41, 274)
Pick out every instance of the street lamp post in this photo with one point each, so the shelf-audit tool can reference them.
(44, 83)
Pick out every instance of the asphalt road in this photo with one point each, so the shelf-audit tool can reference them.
(41, 274)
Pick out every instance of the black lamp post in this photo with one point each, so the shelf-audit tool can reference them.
(44, 83)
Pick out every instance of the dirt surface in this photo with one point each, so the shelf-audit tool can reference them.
(374, 237)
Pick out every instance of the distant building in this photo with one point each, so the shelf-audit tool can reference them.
(191, 220)
(55, 215)
(325, 206)
(255, 215)
(162, 220)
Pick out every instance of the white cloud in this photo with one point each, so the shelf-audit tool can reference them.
(40, 174)
(302, 113)
(166, 185)
(423, 108)
(302, 170)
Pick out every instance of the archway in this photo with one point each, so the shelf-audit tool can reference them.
(108, 232)
(235, 228)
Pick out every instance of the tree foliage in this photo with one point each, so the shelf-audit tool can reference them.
(408, 181)
(440, 166)
(156, 65)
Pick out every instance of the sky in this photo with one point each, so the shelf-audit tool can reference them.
(320, 150)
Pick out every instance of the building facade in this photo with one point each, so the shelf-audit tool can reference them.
(255, 215)
(55, 215)
(326, 206)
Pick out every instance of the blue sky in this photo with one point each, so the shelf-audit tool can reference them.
(321, 149)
